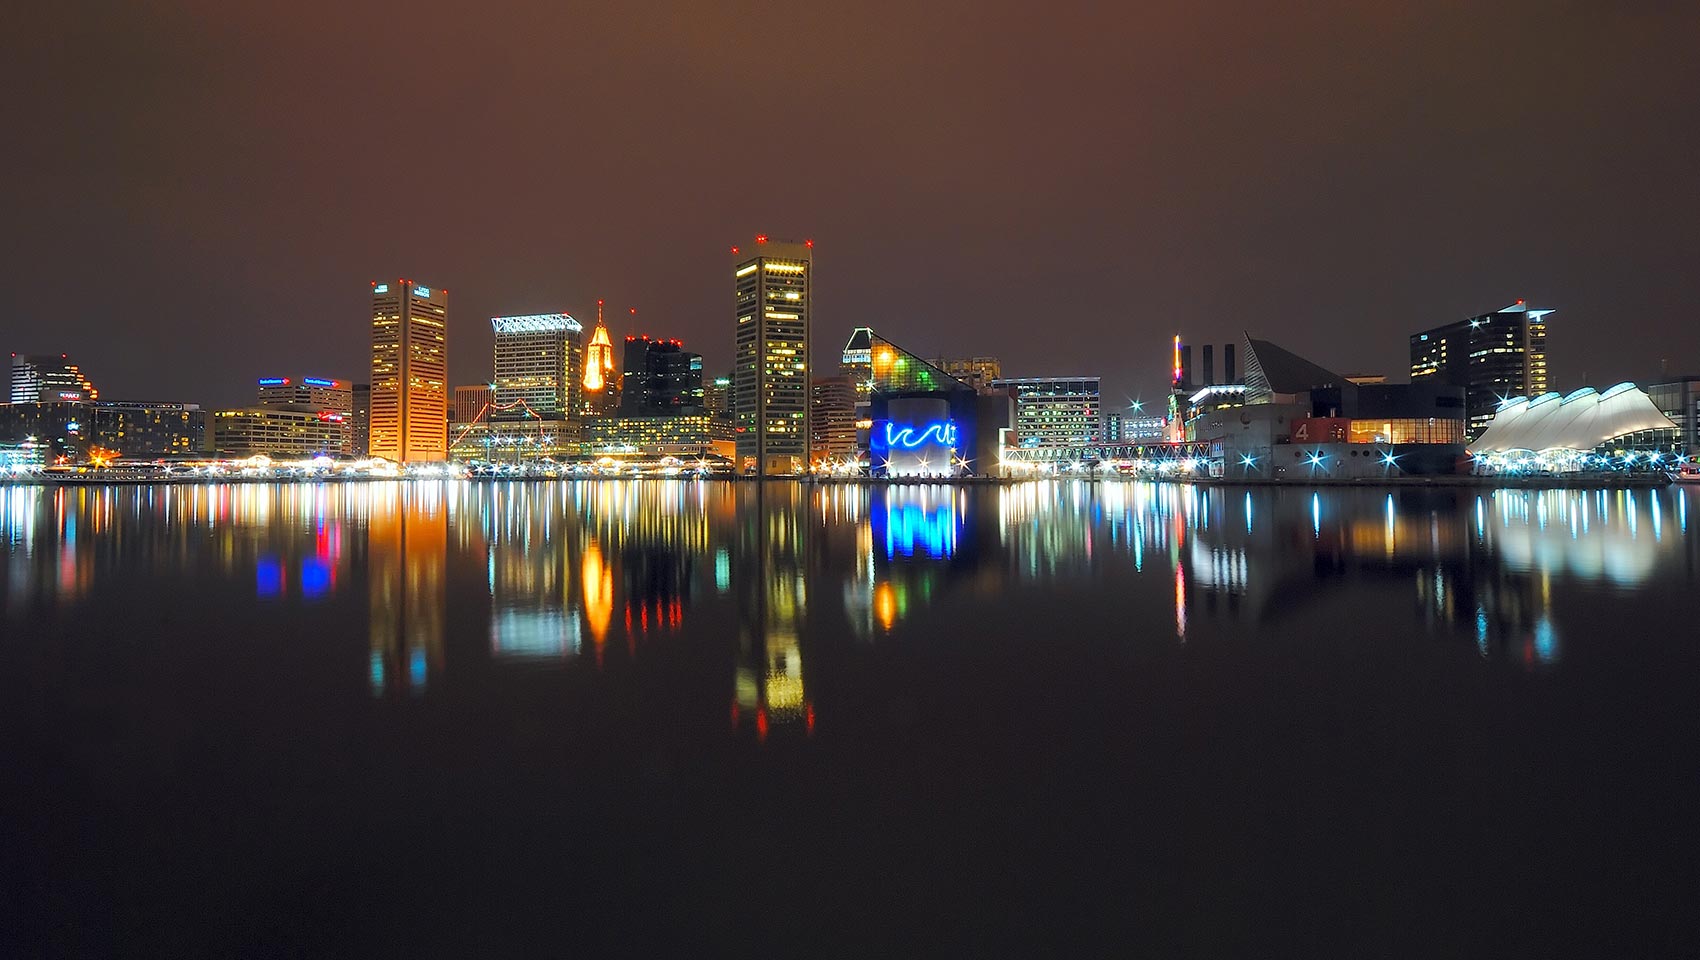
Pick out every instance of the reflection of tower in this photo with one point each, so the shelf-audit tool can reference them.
(406, 546)
(598, 595)
(601, 386)
(769, 688)
(528, 587)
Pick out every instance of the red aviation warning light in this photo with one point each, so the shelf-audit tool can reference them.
(761, 238)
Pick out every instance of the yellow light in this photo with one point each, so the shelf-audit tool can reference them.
(784, 267)
(747, 270)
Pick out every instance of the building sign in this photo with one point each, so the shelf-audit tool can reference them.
(317, 382)
(419, 291)
(274, 381)
(1321, 430)
(380, 288)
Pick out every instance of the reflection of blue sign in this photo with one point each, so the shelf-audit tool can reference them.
(910, 530)
(316, 382)
(315, 577)
(943, 433)
(421, 291)
(381, 288)
(268, 577)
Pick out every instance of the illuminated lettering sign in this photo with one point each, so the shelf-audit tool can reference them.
(942, 432)
(274, 381)
(70, 395)
(380, 288)
(330, 416)
(318, 382)
(421, 291)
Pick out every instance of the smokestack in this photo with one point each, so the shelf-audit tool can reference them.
(1186, 365)
(1209, 365)
(1228, 364)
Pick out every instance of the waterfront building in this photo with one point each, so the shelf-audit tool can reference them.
(1679, 399)
(537, 363)
(683, 434)
(1574, 432)
(408, 414)
(1055, 411)
(132, 430)
(277, 431)
(920, 421)
(601, 378)
(469, 402)
(37, 378)
(832, 419)
(659, 377)
(1494, 356)
(772, 282)
(977, 372)
(323, 394)
(1138, 428)
(362, 419)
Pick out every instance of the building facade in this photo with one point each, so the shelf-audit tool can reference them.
(678, 434)
(538, 360)
(770, 383)
(1139, 427)
(832, 419)
(977, 372)
(1055, 411)
(470, 401)
(1494, 357)
(131, 430)
(322, 394)
(659, 377)
(40, 378)
(601, 386)
(408, 416)
(282, 432)
(1679, 400)
(362, 419)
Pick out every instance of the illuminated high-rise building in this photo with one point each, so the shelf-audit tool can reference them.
(660, 377)
(332, 400)
(832, 419)
(601, 383)
(361, 419)
(45, 378)
(977, 372)
(1494, 357)
(537, 367)
(410, 372)
(770, 383)
(1055, 411)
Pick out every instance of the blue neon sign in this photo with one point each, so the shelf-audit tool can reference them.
(943, 432)
(273, 381)
(419, 291)
(380, 288)
(316, 382)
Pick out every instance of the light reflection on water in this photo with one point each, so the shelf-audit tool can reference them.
(566, 571)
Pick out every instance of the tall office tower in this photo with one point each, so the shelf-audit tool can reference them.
(332, 400)
(469, 401)
(1055, 411)
(770, 384)
(601, 383)
(1494, 357)
(660, 377)
(41, 378)
(362, 419)
(977, 372)
(537, 367)
(832, 418)
(410, 372)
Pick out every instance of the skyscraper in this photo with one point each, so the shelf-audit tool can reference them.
(601, 382)
(332, 400)
(410, 372)
(832, 418)
(470, 399)
(1055, 411)
(362, 419)
(38, 378)
(537, 367)
(1494, 357)
(660, 377)
(770, 383)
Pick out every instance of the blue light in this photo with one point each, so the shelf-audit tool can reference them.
(381, 288)
(419, 291)
(273, 381)
(315, 577)
(268, 577)
(1390, 459)
(316, 382)
(1247, 459)
(944, 433)
(416, 668)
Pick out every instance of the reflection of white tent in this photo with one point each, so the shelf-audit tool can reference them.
(1582, 421)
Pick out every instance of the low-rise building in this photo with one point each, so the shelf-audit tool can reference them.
(275, 431)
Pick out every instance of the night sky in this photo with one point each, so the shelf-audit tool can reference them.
(197, 194)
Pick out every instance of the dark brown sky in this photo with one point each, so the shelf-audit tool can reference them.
(197, 193)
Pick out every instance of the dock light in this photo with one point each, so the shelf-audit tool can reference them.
(1389, 459)
(1247, 460)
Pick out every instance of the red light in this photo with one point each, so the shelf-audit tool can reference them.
(599, 303)
(1519, 299)
(734, 249)
(809, 243)
(761, 723)
(761, 238)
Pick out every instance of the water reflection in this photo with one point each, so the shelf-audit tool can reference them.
(605, 576)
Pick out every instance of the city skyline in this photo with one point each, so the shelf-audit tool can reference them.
(1139, 172)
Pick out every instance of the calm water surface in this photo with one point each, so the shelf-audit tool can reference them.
(589, 718)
